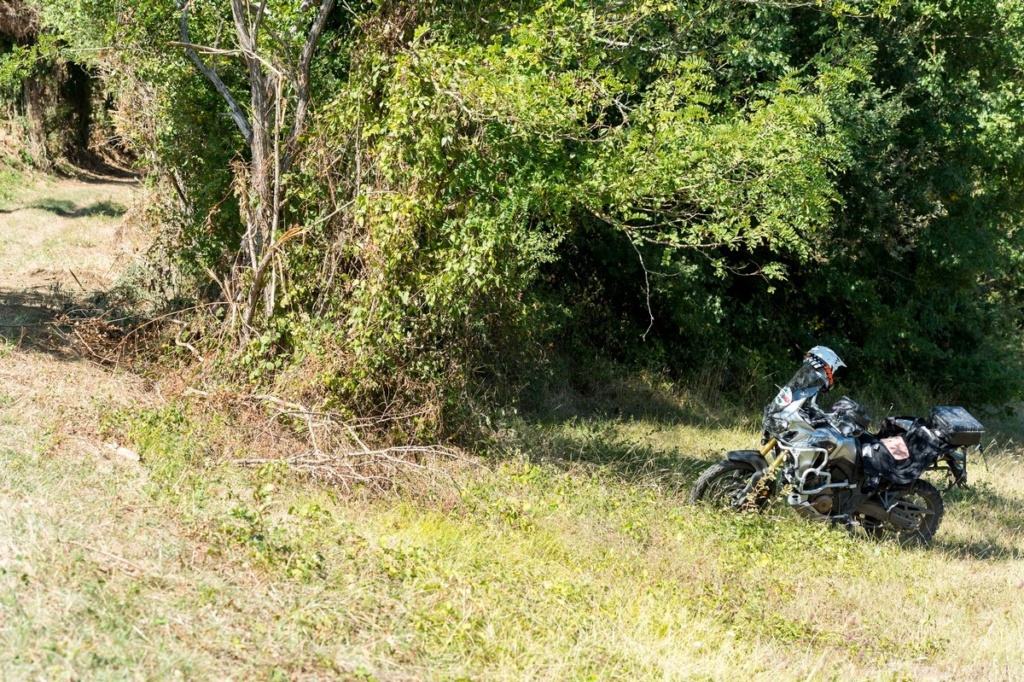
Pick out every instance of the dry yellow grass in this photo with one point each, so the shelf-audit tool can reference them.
(537, 571)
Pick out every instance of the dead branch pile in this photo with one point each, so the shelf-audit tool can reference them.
(98, 335)
(343, 453)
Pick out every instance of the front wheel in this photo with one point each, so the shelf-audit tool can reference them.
(723, 485)
(909, 506)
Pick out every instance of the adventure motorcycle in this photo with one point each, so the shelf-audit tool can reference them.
(832, 469)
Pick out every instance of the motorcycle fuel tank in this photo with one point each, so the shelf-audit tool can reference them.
(846, 449)
(836, 445)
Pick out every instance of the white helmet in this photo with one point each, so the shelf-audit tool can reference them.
(826, 359)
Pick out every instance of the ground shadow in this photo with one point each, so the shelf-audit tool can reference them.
(27, 317)
(105, 174)
(53, 321)
(627, 396)
(984, 550)
(68, 209)
(632, 459)
(71, 326)
(583, 416)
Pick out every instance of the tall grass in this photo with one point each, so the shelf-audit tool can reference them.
(574, 557)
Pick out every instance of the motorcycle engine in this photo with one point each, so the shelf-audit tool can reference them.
(822, 503)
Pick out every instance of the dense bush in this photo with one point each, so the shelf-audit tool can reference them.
(480, 184)
(55, 108)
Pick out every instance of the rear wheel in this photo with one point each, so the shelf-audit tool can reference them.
(722, 486)
(910, 505)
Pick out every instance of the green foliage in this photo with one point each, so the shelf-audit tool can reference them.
(490, 151)
(169, 116)
(10, 179)
(482, 184)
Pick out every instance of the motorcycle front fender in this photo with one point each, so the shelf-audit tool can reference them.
(760, 464)
(751, 457)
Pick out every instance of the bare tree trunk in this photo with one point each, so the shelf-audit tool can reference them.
(262, 131)
(35, 95)
(262, 85)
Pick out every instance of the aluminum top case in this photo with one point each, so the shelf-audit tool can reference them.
(956, 425)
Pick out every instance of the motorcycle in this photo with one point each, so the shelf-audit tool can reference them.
(832, 469)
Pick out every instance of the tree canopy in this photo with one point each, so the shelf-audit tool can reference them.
(448, 192)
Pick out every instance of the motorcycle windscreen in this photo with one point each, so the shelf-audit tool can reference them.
(805, 383)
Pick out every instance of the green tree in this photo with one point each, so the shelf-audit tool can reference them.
(464, 183)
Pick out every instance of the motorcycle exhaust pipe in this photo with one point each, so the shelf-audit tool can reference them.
(897, 514)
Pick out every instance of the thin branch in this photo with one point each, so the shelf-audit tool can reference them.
(647, 287)
(303, 78)
(236, 111)
(110, 555)
(205, 49)
(261, 269)
(258, 20)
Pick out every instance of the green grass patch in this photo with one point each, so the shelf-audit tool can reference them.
(11, 180)
(571, 556)
(573, 568)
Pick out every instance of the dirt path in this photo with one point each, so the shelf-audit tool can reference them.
(59, 241)
(75, 542)
(97, 579)
(63, 234)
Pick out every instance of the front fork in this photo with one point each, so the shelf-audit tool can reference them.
(767, 449)
(755, 488)
(756, 485)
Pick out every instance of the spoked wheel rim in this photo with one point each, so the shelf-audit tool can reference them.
(721, 486)
(723, 491)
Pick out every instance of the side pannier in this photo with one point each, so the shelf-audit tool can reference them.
(956, 426)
